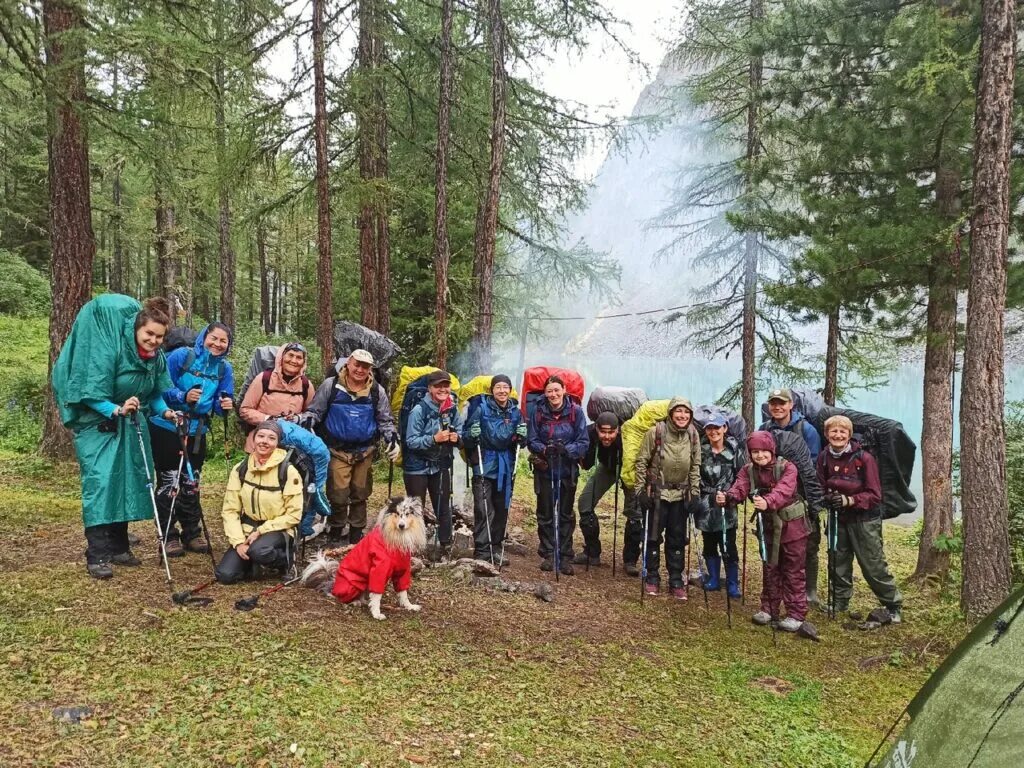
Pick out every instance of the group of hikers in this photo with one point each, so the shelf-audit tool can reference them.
(130, 406)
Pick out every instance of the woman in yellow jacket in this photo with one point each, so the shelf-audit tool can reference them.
(262, 508)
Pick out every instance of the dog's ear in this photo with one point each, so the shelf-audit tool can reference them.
(393, 504)
(413, 505)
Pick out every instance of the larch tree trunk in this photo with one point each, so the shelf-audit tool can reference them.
(261, 253)
(986, 565)
(324, 269)
(831, 387)
(118, 278)
(751, 244)
(167, 256)
(72, 244)
(442, 247)
(225, 252)
(939, 367)
(485, 245)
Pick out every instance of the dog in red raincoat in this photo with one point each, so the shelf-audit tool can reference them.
(384, 555)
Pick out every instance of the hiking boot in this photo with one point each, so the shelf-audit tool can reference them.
(880, 616)
(566, 569)
(173, 548)
(197, 544)
(99, 570)
(126, 559)
(630, 569)
(789, 624)
(812, 596)
(547, 565)
(584, 559)
(679, 593)
(652, 589)
(896, 615)
(133, 540)
(761, 618)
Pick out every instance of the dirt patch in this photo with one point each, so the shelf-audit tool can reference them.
(775, 685)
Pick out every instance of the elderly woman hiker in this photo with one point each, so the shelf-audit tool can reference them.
(262, 508)
(282, 392)
(203, 386)
(111, 367)
(853, 494)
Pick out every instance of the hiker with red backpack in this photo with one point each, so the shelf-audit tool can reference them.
(431, 437)
(770, 482)
(284, 391)
(203, 387)
(668, 471)
(853, 494)
(557, 440)
(260, 511)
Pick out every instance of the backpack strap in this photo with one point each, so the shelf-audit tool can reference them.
(265, 379)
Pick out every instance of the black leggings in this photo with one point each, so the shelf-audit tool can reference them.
(713, 545)
(439, 487)
(187, 510)
(272, 550)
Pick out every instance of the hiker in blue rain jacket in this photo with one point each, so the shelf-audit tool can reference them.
(557, 439)
(494, 426)
(431, 437)
(203, 387)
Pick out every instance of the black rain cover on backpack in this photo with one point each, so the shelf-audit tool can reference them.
(888, 442)
(792, 447)
(349, 336)
(180, 336)
(807, 401)
(622, 401)
(737, 426)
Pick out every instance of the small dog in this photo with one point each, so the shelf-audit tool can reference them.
(384, 555)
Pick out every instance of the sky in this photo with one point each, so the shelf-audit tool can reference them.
(602, 80)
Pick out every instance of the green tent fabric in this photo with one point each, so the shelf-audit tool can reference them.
(970, 713)
(100, 362)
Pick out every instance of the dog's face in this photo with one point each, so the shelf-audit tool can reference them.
(401, 523)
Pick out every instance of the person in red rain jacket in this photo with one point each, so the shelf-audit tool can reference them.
(772, 486)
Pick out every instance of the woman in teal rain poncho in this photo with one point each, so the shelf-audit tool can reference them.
(110, 367)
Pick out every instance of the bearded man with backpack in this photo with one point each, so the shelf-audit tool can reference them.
(853, 494)
(351, 412)
(668, 466)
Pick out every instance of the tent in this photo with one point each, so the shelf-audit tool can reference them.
(970, 713)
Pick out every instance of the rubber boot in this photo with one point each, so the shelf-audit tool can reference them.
(355, 535)
(713, 584)
(732, 576)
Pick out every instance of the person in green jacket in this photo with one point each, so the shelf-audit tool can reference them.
(111, 367)
(668, 466)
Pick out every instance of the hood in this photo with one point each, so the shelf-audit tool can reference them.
(674, 403)
(761, 441)
(200, 349)
(280, 356)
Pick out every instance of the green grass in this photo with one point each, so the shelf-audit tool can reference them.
(476, 679)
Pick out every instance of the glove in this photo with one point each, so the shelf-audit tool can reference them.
(474, 430)
(393, 451)
(521, 431)
(538, 463)
(836, 501)
(553, 450)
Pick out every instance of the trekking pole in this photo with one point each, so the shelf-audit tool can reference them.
(689, 550)
(248, 603)
(391, 475)
(725, 554)
(556, 497)
(152, 495)
(743, 595)
(832, 533)
(763, 549)
(227, 447)
(615, 517)
(643, 553)
(483, 498)
(504, 534)
(188, 596)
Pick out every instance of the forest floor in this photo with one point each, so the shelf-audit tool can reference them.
(593, 678)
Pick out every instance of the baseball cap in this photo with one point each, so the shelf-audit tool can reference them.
(716, 420)
(362, 356)
(437, 377)
(781, 394)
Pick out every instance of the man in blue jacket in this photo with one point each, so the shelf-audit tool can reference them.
(557, 439)
(494, 426)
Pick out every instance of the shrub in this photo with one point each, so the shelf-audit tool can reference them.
(23, 290)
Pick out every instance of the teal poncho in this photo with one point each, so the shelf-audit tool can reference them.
(100, 367)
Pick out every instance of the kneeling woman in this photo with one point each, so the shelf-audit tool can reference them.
(111, 367)
(262, 507)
